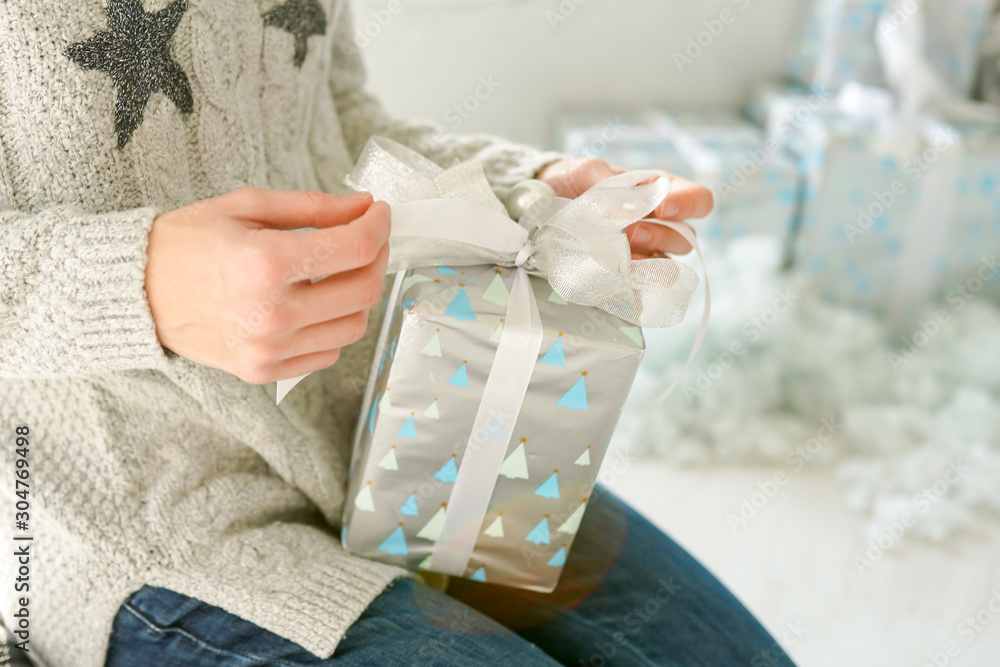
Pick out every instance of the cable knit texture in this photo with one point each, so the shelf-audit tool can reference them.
(147, 467)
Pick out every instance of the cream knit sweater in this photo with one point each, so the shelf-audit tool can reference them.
(146, 467)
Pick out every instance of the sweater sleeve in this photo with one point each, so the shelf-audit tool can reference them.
(72, 293)
(362, 115)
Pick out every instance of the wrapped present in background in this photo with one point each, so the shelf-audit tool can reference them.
(783, 109)
(755, 184)
(501, 372)
(879, 206)
(434, 361)
(835, 41)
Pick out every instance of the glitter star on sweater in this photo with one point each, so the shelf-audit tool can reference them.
(135, 52)
(302, 18)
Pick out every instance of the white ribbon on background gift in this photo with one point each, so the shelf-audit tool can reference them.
(452, 218)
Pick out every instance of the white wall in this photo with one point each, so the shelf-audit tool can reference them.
(431, 55)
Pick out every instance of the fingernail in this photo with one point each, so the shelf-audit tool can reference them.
(642, 235)
(670, 209)
(359, 196)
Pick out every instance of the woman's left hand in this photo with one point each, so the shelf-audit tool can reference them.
(571, 178)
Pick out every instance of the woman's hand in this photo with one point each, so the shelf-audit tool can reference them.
(228, 282)
(571, 178)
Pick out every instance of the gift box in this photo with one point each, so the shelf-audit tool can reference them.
(834, 41)
(435, 358)
(973, 240)
(506, 353)
(874, 213)
(955, 32)
(783, 109)
(755, 185)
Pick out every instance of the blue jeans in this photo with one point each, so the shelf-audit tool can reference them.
(629, 595)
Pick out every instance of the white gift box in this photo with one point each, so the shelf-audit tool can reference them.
(897, 210)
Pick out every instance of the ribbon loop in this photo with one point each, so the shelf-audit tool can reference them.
(578, 245)
(523, 256)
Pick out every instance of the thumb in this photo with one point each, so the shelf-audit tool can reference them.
(571, 178)
(295, 209)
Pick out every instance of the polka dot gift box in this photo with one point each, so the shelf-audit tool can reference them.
(896, 213)
(835, 40)
(506, 352)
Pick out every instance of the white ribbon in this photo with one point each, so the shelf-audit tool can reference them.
(451, 217)
(689, 236)
(506, 387)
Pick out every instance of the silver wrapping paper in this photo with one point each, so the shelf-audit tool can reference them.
(435, 352)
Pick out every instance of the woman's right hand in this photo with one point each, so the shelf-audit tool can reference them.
(229, 285)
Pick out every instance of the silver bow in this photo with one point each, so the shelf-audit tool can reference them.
(452, 217)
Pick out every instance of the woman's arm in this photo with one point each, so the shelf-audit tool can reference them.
(72, 298)
(84, 293)
(362, 115)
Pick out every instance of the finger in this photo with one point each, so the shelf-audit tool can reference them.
(571, 178)
(295, 209)
(297, 366)
(589, 174)
(687, 200)
(322, 252)
(339, 295)
(649, 238)
(325, 336)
